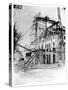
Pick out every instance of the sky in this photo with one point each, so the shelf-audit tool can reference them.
(24, 19)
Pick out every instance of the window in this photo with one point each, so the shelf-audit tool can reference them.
(54, 49)
(64, 37)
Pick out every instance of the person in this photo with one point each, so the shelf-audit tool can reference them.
(21, 64)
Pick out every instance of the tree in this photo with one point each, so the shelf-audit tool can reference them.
(17, 38)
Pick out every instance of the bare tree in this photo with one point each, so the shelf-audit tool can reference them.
(17, 38)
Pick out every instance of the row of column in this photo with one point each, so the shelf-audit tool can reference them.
(49, 58)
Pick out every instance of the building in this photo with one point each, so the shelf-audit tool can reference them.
(49, 44)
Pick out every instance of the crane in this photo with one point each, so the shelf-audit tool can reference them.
(59, 16)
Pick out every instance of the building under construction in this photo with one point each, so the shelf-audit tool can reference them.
(49, 43)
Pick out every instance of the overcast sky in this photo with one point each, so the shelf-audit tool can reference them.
(25, 16)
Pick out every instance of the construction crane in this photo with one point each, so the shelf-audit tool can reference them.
(59, 16)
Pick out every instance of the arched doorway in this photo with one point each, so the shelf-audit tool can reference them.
(48, 59)
(53, 58)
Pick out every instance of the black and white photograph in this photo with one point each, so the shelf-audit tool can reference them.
(37, 37)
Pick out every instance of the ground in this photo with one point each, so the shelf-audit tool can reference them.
(40, 76)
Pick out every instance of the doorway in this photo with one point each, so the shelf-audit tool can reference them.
(48, 59)
(53, 58)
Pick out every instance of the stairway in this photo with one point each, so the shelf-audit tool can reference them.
(28, 62)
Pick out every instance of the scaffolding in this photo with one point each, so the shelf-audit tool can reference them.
(43, 55)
